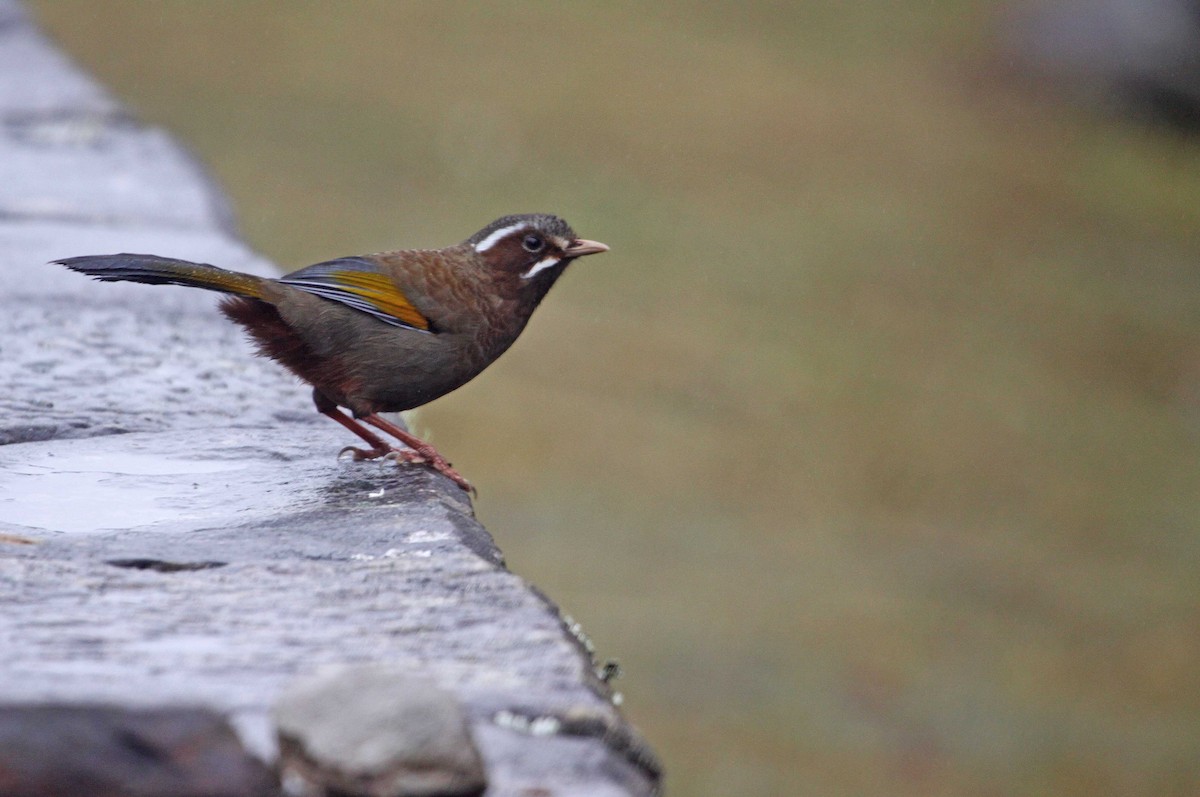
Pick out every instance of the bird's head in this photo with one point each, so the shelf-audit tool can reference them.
(532, 248)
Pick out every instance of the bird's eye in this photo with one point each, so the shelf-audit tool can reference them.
(532, 243)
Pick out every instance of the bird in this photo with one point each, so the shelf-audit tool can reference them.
(383, 332)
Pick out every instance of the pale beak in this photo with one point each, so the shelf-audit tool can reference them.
(582, 246)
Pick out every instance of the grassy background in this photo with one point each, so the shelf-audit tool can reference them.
(871, 448)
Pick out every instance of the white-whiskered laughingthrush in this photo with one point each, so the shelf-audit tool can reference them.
(385, 332)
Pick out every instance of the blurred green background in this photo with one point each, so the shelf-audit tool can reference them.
(871, 448)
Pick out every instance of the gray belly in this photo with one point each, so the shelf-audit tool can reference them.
(404, 368)
(370, 366)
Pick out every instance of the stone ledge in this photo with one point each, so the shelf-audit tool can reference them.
(175, 530)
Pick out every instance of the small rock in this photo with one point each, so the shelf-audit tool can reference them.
(377, 732)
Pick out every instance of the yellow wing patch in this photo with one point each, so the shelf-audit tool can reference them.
(382, 294)
(357, 282)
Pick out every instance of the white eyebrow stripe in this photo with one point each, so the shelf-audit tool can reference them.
(544, 263)
(490, 241)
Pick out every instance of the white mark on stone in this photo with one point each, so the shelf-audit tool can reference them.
(534, 726)
(425, 535)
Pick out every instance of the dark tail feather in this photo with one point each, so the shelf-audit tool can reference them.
(155, 270)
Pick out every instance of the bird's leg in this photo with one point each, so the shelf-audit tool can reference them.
(378, 447)
(418, 450)
(426, 453)
(329, 408)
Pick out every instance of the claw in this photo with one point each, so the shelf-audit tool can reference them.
(443, 467)
(359, 454)
(434, 462)
(404, 455)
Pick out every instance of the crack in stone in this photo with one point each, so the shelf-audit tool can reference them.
(161, 566)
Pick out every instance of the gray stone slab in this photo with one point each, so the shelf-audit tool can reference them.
(72, 152)
(166, 573)
(101, 169)
(175, 526)
(81, 358)
(36, 79)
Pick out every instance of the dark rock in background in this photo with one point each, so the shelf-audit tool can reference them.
(175, 528)
(1140, 57)
(103, 751)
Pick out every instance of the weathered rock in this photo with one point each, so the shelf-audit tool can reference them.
(377, 732)
(105, 751)
(175, 529)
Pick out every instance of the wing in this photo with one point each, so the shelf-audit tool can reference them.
(357, 282)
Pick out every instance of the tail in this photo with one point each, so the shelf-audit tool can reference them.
(155, 270)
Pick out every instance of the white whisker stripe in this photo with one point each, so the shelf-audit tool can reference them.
(544, 263)
(490, 241)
